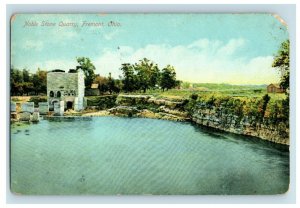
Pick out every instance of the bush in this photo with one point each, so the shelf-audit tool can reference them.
(15, 99)
(194, 96)
(102, 102)
(211, 101)
(37, 99)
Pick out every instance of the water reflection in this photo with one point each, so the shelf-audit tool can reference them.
(259, 143)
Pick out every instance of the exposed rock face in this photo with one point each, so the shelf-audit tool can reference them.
(131, 100)
(203, 114)
(218, 118)
(150, 107)
(124, 110)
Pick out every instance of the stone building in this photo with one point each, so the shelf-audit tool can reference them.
(67, 87)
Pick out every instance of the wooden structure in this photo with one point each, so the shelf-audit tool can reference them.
(275, 88)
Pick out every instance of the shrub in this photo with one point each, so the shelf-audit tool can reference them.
(194, 96)
(15, 99)
(37, 99)
(102, 102)
(211, 101)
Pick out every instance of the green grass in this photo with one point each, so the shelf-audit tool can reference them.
(216, 92)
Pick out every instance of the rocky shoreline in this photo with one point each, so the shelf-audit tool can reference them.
(120, 111)
(200, 113)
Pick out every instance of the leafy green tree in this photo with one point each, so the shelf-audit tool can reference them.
(263, 106)
(102, 83)
(26, 76)
(18, 89)
(155, 77)
(147, 74)
(27, 87)
(130, 79)
(286, 110)
(282, 62)
(178, 84)
(22, 82)
(16, 77)
(185, 85)
(274, 113)
(111, 84)
(39, 80)
(118, 85)
(88, 69)
(168, 78)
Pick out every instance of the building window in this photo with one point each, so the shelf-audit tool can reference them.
(58, 94)
(51, 94)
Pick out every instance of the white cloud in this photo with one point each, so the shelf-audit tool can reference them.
(33, 45)
(201, 61)
(61, 34)
(231, 47)
(110, 35)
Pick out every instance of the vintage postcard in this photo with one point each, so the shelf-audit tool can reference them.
(149, 104)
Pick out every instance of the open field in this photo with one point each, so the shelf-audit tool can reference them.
(205, 90)
(185, 94)
(217, 90)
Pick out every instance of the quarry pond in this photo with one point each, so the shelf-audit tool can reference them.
(115, 155)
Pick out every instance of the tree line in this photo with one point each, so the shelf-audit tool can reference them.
(138, 77)
(282, 62)
(24, 83)
(146, 75)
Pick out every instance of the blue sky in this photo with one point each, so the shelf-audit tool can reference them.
(219, 48)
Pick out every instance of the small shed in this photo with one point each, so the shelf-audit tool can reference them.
(275, 88)
(93, 91)
(94, 86)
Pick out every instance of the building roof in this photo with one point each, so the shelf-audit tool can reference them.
(275, 85)
(57, 70)
(94, 86)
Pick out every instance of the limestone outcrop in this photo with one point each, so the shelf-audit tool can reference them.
(219, 118)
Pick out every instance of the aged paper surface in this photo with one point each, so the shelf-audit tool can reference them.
(161, 104)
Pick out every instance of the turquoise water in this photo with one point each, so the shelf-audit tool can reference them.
(111, 155)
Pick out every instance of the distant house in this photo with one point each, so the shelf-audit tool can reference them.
(94, 86)
(93, 91)
(275, 88)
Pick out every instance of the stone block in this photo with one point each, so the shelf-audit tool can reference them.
(43, 108)
(13, 107)
(27, 107)
(25, 116)
(59, 108)
(35, 117)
